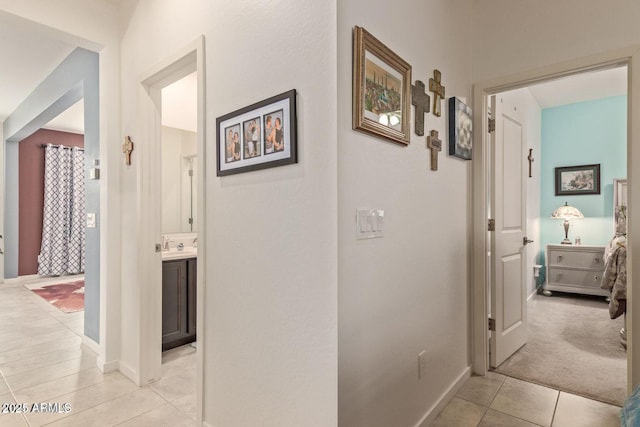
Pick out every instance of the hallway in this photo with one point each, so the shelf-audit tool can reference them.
(42, 361)
(498, 400)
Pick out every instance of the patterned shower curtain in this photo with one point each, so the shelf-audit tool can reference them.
(63, 226)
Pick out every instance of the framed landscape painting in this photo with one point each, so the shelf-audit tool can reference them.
(381, 89)
(577, 180)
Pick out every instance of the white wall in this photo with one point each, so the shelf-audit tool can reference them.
(510, 37)
(270, 341)
(532, 113)
(407, 291)
(177, 144)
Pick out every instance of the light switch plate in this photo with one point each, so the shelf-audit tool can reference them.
(91, 220)
(369, 223)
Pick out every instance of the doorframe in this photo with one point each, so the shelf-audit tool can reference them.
(630, 57)
(181, 63)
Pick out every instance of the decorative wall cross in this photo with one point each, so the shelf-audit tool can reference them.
(531, 160)
(127, 148)
(420, 100)
(438, 91)
(435, 145)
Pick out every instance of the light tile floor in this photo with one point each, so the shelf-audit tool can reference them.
(499, 401)
(42, 361)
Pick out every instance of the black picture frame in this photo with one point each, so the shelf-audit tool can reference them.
(257, 140)
(577, 180)
(460, 129)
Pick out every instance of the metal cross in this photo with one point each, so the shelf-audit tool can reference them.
(435, 145)
(438, 91)
(127, 148)
(420, 100)
(531, 160)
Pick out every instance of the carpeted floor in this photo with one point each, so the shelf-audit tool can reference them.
(572, 346)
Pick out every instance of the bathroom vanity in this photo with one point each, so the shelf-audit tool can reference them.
(179, 274)
(178, 302)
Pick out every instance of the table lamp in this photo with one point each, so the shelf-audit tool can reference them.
(566, 212)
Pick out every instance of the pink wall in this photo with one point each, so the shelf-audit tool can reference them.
(31, 199)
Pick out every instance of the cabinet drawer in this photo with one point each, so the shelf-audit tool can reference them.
(582, 259)
(584, 278)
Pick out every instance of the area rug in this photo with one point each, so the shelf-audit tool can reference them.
(68, 297)
(572, 346)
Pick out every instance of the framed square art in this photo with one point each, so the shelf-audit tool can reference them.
(460, 129)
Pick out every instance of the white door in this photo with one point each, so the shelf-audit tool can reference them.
(508, 207)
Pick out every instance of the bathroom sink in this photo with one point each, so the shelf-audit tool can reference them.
(188, 252)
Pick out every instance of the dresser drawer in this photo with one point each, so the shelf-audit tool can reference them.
(584, 278)
(579, 259)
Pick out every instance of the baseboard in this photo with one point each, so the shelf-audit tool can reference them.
(534, 293)
(446, 397)
(106, 367)
(90, 344)
(206, 424)
(128, 372)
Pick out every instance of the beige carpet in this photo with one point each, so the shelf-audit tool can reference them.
(572, 346)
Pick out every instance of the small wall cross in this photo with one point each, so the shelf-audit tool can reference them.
(127, 148)
(436, 146)
(420, 100)
(531, 160)
(438, 91)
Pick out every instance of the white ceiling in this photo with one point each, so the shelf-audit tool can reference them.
(581, 87)
(180, 104)
(29, 55)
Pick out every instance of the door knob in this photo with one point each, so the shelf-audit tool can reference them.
(526, 241)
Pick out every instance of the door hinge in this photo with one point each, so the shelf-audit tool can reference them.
(492, 324)
(190, 172)
(492, 125)
(492, 225)
(190, 221)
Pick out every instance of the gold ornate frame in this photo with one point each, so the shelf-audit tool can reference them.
(364, 42)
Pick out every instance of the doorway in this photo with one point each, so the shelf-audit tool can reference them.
(481, 198)
(577, 120)
(185, 62)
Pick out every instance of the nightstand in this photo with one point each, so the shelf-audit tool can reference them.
(576, 269)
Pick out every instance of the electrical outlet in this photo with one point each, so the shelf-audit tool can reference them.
(422, 364)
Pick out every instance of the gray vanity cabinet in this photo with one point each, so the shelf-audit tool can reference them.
(178, 302)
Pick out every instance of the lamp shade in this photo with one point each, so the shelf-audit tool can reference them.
(566, 212)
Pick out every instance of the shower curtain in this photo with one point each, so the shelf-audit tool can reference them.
(63, 227)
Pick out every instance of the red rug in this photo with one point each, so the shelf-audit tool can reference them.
(68, 297)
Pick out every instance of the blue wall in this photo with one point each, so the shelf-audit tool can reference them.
(76, 77)
(584, 133)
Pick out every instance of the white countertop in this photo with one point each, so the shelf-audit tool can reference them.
(174, 254)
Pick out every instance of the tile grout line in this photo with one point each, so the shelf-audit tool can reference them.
(24, 418)
(555, 408)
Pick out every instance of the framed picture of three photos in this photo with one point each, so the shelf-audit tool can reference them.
(260, 136)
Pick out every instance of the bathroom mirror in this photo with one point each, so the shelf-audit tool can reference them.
(179, 179)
